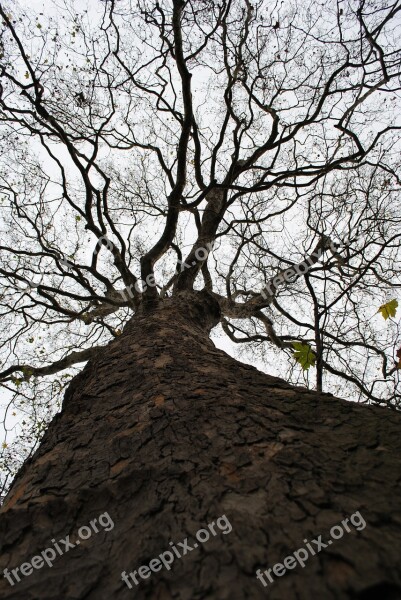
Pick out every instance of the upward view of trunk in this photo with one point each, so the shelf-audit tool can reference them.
(167, 434)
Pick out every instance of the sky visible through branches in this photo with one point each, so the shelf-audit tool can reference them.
(134, 134)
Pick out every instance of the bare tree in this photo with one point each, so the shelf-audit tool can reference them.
(243, 151)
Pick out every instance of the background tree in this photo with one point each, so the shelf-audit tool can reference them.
(154, 149)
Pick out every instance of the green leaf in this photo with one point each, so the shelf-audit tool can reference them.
(389, 309)
(77, 218)
(304, 355)
(27, 373)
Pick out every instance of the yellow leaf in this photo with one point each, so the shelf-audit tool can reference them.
(389, 309)
(27, 75)
(304, 355)
(4, 445)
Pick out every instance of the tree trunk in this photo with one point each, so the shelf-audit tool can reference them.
(166, 434)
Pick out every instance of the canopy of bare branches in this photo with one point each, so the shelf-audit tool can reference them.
(153, 147)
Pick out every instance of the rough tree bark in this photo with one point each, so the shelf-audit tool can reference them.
(167, 433)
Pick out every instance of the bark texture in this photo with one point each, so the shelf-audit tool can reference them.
(167, 433)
